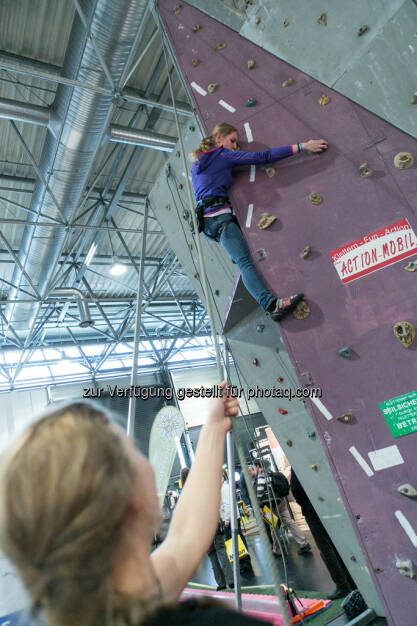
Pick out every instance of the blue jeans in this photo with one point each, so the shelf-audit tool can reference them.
(235, 245)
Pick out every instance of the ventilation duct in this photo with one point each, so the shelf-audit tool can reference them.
(67, 158)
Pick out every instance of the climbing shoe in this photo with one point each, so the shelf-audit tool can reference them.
(283, 306)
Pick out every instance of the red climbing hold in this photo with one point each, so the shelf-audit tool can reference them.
(180, 186)
(279, 379)
(282, 411)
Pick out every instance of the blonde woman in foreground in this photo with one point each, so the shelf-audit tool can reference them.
(78, 512)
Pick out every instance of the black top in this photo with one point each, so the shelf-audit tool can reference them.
(200, 613)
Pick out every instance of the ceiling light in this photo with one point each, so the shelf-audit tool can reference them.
(90, 254)
(117, 269)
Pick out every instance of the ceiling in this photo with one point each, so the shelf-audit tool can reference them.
(80, 80)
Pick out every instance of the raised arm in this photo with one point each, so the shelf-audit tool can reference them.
(239, 157)
(196, 515)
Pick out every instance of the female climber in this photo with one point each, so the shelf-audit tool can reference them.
(78, 513)
(212, 174)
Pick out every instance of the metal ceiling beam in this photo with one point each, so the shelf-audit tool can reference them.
(97, 193)
(69, 227)
(128, 94)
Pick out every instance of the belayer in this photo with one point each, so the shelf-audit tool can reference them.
(212, 175)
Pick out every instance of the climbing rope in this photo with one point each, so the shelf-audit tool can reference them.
(204, 283)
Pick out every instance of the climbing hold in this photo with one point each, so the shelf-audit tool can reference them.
(411, 266)
(301, 311)
(251, 64)
(220, 45)
(312, 434)
(405, 333)
(403, 160)
(178, 153)
(289, 443)
(190, 245)
(168, 206)
(255, 362)
(251, 102)
(192, 128)
(406, 568)
(270, 171)
(266, 221)
(378, 570)
(261, 254)
(288, 82)
(347, 418)
(258, 20)
(195, 62)
(260, 328)
(180, 186)
(282, 411)
(320, 499)
(186, 214)
(306, 252)
(353, 558)
(363, 29)
(196, 28)
(323, 100)
(280, 379)
(217, 292)
(408, 490)
(212, 87)
(414, 98)
(322, 19)
(314, 467)
(315, 198)
(346, 352)
(197, 276)
(177, 8)
(286, 22)
(365, 170)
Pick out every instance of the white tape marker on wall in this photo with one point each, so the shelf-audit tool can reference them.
(319, 404)
(407, 527)
(364, 465)
(252, 173)
(249, 216)
(227, 106)
(248, 132)
(198, 89)
(385, 457)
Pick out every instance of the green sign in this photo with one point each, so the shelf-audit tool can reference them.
(401, 414)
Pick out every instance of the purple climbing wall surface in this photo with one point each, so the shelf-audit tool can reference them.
(359, 314)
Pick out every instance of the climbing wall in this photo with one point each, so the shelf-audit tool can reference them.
(361, 235)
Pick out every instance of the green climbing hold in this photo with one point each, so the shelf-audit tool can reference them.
(251, 102)
(192, 128)
(186, 214)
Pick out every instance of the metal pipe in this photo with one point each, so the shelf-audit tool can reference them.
(24, 112)
(144, 138)
(138, 318)
(70, 292)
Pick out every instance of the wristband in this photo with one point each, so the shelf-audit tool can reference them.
(300, 147)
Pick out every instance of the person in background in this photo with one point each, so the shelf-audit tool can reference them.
(280, 508)
(225, 515)
(212, 174)
(337, 569)
(78, 512)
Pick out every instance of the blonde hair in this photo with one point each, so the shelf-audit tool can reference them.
(65, 489)
(209, 142)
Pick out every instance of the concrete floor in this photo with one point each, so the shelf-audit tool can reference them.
(304, 571)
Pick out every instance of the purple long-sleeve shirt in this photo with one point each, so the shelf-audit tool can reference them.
(212, 173)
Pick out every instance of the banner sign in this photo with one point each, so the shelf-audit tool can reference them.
(401, 414)
(372, 252)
